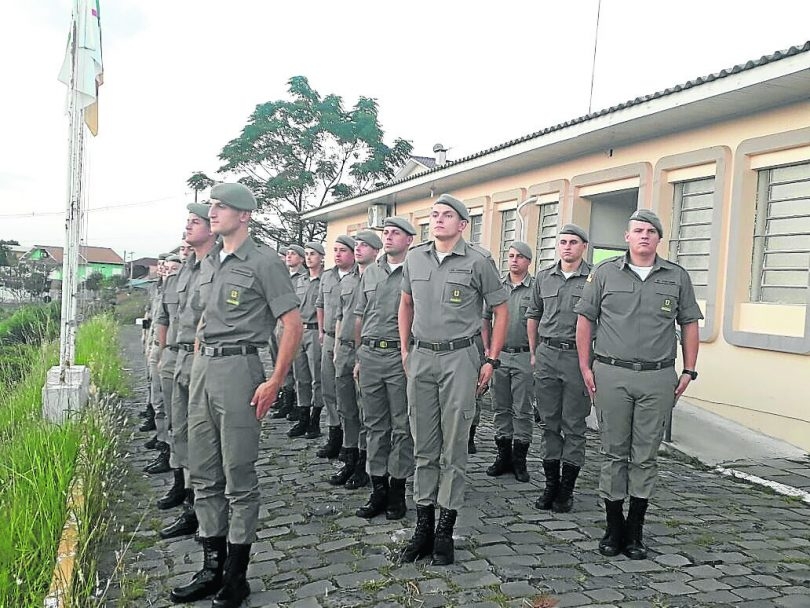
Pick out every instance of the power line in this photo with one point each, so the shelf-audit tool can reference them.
(593, 64)
(104, 208)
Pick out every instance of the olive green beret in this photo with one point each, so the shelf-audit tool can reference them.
(457, 205)
(646, 215)
(297, 249)
(199, 209)
(345, 239)
(163, 256)
(370, 238)
(401, 223)
(237, 196)
(576, 231)
(315, 247)
(522, 248)
(174, 258)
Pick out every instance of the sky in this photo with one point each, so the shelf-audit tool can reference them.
(181, 78)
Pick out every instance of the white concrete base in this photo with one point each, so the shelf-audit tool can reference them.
(62, 400)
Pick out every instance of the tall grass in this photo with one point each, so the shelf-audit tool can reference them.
(39, 462)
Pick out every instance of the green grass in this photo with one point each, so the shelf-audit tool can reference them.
(40, 462)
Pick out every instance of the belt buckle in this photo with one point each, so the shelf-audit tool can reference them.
(383, 344)
(564, 346)
(209, 351)
(637, 367)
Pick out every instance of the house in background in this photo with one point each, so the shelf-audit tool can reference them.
(142, 268)
(725, 162)
(101, 260)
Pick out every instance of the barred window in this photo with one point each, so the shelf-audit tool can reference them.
(692, 208)
(781, 261)
(508, 225)
(546, 248)
(424, 232)
(476, 226)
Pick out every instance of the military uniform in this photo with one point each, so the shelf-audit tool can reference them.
(158, 419)
(243, 296)
(167, 317)
(562, 398)
(512, 385)
(329, 301)
(307, 364)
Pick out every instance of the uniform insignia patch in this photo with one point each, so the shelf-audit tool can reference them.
(590, 278)
(233, 297)
(667, 305)
(455, 296)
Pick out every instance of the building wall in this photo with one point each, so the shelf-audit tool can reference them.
(753, 362)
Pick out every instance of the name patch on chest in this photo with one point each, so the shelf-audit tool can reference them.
(667, 305)
(233, 297)
(455, 296)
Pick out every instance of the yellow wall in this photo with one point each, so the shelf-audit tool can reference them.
(765, 390)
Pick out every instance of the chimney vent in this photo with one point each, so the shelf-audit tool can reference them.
(441, 154)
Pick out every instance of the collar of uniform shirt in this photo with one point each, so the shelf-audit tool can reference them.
(624, 261)
(460, 248)
(241, 252)
(583, 268)
(524, 281)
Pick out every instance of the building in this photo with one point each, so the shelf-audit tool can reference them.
(723, 159)
(102, 260)
(142, 268)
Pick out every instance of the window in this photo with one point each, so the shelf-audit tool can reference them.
(546, 235)
(782, 235)
(476, 225)
(692, 209)
(508, 224)
(424, 232)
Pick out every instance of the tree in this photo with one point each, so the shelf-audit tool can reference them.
(298, 154)
(92, 281)
(5, 252)
(198, 182)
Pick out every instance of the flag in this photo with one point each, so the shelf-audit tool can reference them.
(84, 41)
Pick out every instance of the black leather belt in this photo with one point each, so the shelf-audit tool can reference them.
(227, 351)
(310, 325)
(638, 366)
(515, 349)
(189, 348)
(445, 346)
(384, 344)
(346, 342)
(331, 334)
(561, 344)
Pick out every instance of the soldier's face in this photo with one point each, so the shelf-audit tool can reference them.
(364, 253)
(185, 251)
(198, 231)
(226, 220)
(344, 257)
(445, 222)
(313, 258)
(395, 241)
(518, 264)
(293, 259)
(172, 267)
(642, 237)
(571, 248)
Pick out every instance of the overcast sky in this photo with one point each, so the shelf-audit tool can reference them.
(182, 76)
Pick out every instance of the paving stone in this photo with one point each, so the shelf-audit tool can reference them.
(708, 584)
(703, 572)
(767, 580)
(495, 550)
(755, 593)
(605, 595)
(673, 588)
(268, 598)
(475, 579)
(641, 565)
(573, 599)
(793, 601)
(309, 602)
(519, 589)
(673, 560)
(336, 545)
(600, 569)
(315, 589)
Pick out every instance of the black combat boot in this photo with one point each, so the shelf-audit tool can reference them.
(342, 476)
(503, 461)
(235, 587)
(208, 580)
(147, 412)
(161, 463)
(443, 543)
(314, 428)
(520, 450)
(565, 497)
(152, 443)
(148, 424)
(176, 494)
(421, 543)
(378, 500)
(551, 469)
(634, 546)
(612, 542)
(292, 414)
(186, 523)
(359, 477)
(282, 405)
(471, 447)
(396, 507)
(299, 429)
(333, 442)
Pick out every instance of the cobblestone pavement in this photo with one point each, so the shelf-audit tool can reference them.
(714, 541)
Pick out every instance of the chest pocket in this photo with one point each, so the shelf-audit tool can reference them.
(420, 284)
(237, 286)
(458, 289)
(619, 297)
(202, 293)
(666, 299)
(524, 305)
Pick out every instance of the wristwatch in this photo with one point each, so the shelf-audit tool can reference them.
(495, 363)
(691, 373)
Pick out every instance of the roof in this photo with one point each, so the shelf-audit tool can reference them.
(428, 161)
(637, 110)
(145, 262)
(88, 254)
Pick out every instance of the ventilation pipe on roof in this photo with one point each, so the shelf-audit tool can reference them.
(441, 154)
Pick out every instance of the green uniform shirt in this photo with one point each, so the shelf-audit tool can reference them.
(348, 302)
(378, 300)
(306, 288)
(243, 295)
(635, 319)
(519, 297)
(448, 298)
(553, 299)
(167, 313)
(329, 297)
(189, 307)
